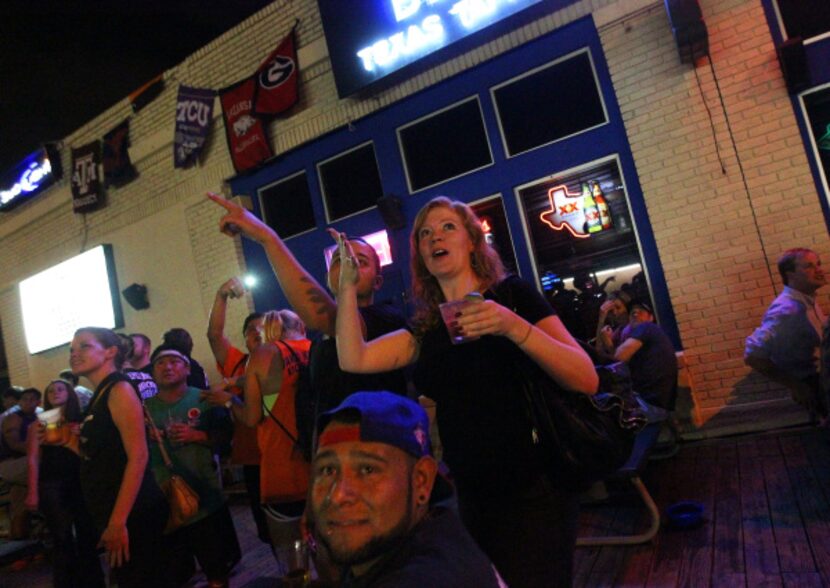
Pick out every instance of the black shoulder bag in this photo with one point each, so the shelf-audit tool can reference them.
(580, 438)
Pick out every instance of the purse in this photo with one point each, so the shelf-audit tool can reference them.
(183, 500)
(580, 438)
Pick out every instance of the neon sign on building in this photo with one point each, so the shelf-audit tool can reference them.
(370, 39)
(34, 174)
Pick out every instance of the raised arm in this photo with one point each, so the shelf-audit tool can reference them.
(305, 295)
(219, 342)
(392, 351)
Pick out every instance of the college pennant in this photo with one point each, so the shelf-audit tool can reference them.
(194, 116)
(277, 79)
(87, 193)
(147, 93)
(244, 131)
(118, 169)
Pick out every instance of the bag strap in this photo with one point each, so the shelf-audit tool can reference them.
(108, 383)
(164, 455)
(268, 411)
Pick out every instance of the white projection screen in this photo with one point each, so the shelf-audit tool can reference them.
(79, 292)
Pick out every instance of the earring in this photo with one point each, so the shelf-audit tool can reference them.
(422, 499)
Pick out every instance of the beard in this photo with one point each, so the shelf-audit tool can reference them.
(376, 546)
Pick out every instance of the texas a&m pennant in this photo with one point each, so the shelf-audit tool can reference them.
(245, 132)
(277, 79)
(87, 192)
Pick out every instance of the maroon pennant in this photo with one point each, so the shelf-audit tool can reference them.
(244, 131)
(277, 79)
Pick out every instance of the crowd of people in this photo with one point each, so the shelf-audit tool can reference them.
(366, 494)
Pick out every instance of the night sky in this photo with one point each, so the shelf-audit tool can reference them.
(62, 62)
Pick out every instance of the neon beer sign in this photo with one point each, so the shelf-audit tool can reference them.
(34, 174)
(567, 211)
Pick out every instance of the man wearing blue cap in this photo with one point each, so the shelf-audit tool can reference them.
(373, 494)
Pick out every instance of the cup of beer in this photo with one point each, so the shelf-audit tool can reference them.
(52, 423)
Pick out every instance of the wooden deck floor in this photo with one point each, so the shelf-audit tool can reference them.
(767, 522)
(767, 501)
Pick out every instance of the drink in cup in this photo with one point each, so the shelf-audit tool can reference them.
(52, 421)
(450, 311)
(297, 563)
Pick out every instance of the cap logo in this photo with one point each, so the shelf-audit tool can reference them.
(421, 438)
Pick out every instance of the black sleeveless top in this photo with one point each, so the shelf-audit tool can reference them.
(58, 464)
(103, 460)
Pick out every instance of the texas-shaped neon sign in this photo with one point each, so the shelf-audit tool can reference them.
(566, 212)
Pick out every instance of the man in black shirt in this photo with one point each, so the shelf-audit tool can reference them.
(318, 309)
(373, 494)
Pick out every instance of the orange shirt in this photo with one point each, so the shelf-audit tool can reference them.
(284, 472)
(244, 449)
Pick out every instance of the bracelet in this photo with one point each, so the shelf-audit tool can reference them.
(527, 335)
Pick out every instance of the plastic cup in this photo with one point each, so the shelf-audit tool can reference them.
(297, 566)
(450, 311)
(51, 420)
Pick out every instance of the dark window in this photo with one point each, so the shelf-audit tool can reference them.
(494, 222)
(445, 145)
(286, 206)
(350, 182)
(549, 104)
(805, 18)
(818, 115)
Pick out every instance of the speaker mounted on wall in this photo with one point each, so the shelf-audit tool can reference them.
(136, 296)
(689, 30)
(794, 67)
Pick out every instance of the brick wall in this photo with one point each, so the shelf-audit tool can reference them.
(718, 233)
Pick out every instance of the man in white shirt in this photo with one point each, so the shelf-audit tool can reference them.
(785, 347)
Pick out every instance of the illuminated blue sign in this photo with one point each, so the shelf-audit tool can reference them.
(34, 174)
(370, 39)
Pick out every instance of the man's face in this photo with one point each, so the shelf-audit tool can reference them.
(8, 402)
(139, 348)
(618, 313)
(362, 499)
(639, 315)
(170, 371)
(28, 403)
(254, 333)
(808, 275)
(368, 281)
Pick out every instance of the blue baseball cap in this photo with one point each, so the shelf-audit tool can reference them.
(391, 419)
(386, 418)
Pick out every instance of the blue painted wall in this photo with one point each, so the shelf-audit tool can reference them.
(502, 177)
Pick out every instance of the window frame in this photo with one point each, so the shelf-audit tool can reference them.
(432, 114)
(263, 209)
(533, 71)
(339, 154)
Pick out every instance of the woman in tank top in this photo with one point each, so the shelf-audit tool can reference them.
(121, 494)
